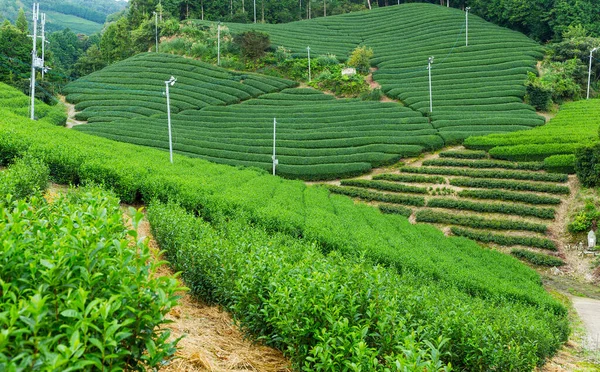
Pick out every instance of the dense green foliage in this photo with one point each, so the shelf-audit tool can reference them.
(560, 163)
(535, 258)
(76, 294)
(587, 165)
(318, 137)
(384, 186)
(510, 185)
(464, 154)
(504, 208)
(475, 173)
(417, 178)
(395, 209)
(434, 216)
(509, 196)
(26, 176)
(575, 124)
(506, 240)
(357, 192)
(584, 219)
(15, 102)
(485, 98)
(484, 164)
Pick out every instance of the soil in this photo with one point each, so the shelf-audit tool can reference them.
(71, 122)
(211, 340)
(375, 85)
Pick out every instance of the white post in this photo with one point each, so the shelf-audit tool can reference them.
(590, 72)
(467, 26)
(43, 44)
(36, 9)
(254, 11)
(275, 161)
(219, 44)
(171, 82)
(447, 3)
(309, 77)
(156, 30)
(430, 91)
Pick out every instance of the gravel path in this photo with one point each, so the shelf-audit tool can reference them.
(589, 311)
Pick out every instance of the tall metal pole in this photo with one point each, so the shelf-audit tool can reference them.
(309, 77)
(467, 25)
(219, 44)
(430, 91)
(36, 9)
(156, 30)
(590, 72)
(43, 44)
(254, 11)
(275, 161)
(171, 82)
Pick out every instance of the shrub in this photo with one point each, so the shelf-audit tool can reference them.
(477, 222)
(534, 166)
(355, 192)
(583, 220)
(509, 196)
(476, 173)
(510, 185)
(587, 165)
(360, 58)
(486, 237)
(395, 209)
(537, 258)
(385, 186)
(77, 293)
(253, 44)
(539, 93)
(25, 177)
(560, 163)
(464, 154)
(504, 208)
(410, 178)
(372, 95)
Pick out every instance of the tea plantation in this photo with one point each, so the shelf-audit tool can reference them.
(272, 250)
(478, 88)
(317, 136)
(575, 124)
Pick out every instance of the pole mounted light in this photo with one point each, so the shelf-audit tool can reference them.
(309, 77)
(275, 161)
(430, 91)
(590, 72)
(467, 25)
(156, 30)
(168, 83)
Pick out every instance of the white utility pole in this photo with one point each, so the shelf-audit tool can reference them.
(275, 161)
(43, 44)
(219, 44)
(467, 25)
(309, 77)
(430, 91)
(168, 83)
(156, 30)
(590, 72)
(34, 58)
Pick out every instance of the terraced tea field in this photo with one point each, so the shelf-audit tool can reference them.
(476, 89)
(317, 136)
(575, 124)
(466, 194)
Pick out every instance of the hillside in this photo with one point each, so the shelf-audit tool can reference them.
(279, 224)
(477, 89)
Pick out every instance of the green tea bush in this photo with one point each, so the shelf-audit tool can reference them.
(384, 186)
(537, 258)
(464, 154)
(505, 240)
(26, 176)
(504, 208)
(584, 219)
(510, 185)
(395, 209)
(329, 312)
(477, 222)
(476, 173)
(560, 163)
(534, 166)
(410, 178)
(76, 294)
(587, 165)
(377, 196)
(509, 196)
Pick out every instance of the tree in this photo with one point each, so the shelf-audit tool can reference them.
(360, 58)
(253, 44)
(21, 22)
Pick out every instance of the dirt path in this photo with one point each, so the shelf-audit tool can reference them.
(375, 85)
(211, 341)
(589, 311)
(71, 122)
